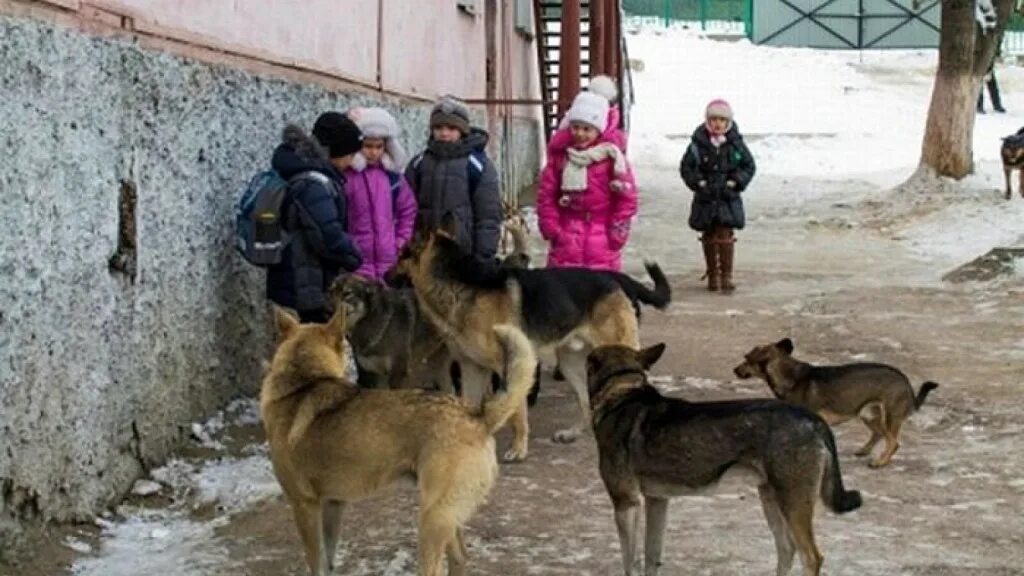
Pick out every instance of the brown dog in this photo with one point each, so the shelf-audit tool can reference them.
(880, 395)
(333, 443)
(653, 448)
(1012, 152)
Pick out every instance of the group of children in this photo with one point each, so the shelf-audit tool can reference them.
(354, 197)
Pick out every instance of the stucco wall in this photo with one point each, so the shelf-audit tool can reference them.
(100, 373)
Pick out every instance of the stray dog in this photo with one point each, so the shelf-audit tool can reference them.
(652, 448)
(567, 311)
(880, 395)
(332, 443)
(394, 345)
(1012, 152)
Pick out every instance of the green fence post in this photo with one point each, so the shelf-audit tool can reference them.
(703, 14)
(748, 19)
(664, 11)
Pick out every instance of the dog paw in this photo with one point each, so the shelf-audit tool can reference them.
(878, 463)
(862, 453)
(514, 455)
(566, 436)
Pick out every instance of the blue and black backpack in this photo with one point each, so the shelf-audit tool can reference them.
(260, 234)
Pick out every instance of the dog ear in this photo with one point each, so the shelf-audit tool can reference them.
(449, 225)
(287, 324)
(786, 345)
(648, 356)
(336, 325)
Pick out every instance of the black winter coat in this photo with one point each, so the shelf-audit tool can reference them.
(440, 178)
(314, 213)
(715, 204)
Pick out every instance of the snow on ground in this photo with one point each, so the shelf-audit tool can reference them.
(169, 541)
(809, 113)
(827, 115)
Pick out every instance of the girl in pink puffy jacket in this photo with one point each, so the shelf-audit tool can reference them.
(587, 195)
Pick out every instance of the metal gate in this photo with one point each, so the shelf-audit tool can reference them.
(856, 24)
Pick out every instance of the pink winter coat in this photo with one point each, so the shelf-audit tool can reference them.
(380, 221)
(592, 229)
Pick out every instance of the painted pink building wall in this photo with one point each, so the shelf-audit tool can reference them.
(425, 48)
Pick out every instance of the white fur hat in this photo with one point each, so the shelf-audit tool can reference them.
(379, 123)
(589, 108)
(603, 86)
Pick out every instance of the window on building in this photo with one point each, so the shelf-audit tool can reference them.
(524, 17)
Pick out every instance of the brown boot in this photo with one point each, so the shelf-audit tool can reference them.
(710, 260)
(726, 250)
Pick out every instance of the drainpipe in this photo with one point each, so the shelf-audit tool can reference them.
(569, 56)
(599, 38)
(380, 44)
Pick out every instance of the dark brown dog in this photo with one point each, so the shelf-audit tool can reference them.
(880, 395)
(394, 345)
(1012, 152)
(653, 448)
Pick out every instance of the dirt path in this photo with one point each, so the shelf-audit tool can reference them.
(826, 272)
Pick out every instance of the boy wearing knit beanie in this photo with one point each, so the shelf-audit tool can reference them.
(454, 175)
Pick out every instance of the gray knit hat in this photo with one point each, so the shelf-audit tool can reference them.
(451, 112)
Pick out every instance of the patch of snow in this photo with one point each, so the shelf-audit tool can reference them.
(145, 488)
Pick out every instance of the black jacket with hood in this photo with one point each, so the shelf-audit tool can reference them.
(314, 214)
(440, 177)
(714, 203)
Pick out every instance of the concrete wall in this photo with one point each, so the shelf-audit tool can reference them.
(102, 369)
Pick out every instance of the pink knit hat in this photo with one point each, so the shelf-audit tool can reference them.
(718, 108)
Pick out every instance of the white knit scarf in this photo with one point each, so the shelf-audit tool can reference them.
(574, 176)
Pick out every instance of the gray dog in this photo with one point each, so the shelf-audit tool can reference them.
(394, 345)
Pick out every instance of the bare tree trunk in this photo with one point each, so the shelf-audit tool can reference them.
(964, 57)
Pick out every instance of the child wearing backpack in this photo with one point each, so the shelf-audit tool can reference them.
(381, 205)
(587, 195)
(454, 175)
(313, 212)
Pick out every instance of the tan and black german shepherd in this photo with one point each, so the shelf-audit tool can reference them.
(564, 311)
(652, 448)
(880, 395)
(332, 443)
(394, 344)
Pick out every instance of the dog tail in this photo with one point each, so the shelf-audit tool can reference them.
(519, 243)
(926, 388)
(520, 367)
(833, 492)
(660, 297)
(322, 399)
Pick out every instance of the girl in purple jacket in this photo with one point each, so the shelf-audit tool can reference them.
(381, 205)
